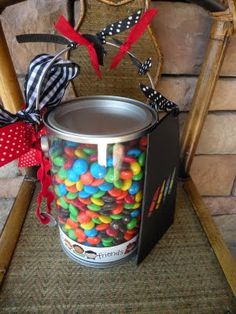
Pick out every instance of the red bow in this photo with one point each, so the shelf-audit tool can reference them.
(133, 36)
(63, 27)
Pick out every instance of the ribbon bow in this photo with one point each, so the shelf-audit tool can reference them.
(133, 36)
(63, 27)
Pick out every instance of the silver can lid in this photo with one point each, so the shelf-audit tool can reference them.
(100, 119)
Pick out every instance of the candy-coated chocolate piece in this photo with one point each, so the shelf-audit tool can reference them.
(80, 154)
(90, 189)
(141, 159)
(69, 151)
(62, 173)
(126, 174)
(107, 241)
(122, 196)
(71, 223)
(136, 205)
(97, 201)
(110, 161)
(129, 159)
(129, 199)
(138, 176)
(134, 152)
(138, 197)
(74, 218)
(97, 171)
(134, 188)
(93, 158)
(80, 166)
(94, 207)
(112, 175)
(102, 227)
(116, 217)
(71, 196)
(70, 144)
(89, 151)
(143, 141)
(85, 201)
(72, 189)
(59, 161)
(68, 182)
(93, 241)
(118, 184)
(72, 235)
(134, 213)
(118, 209)
(128, 236)
(83, 218)
(111, 232)
(91, 233)
(83, 194)
(79, 185)
(97, 182)
(58, 180)
(99, 194)
(106, 186)
(80, 233)
(86, 178)
(105, 219)
(87, 226)
(73, 210)
(132, 224)
(62, 202)
(135, 167)
(126, 184)
(72, 176)
(96, 220)
(114, 192)
(68, 164)
(91, 214)
(126, 218)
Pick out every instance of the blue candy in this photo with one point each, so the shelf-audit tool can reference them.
(90, 189)
(106, 186)
(110, 162)
(72, 176)
(80, 166)
(91, 233)
(70, 144)
(62, 189)
(97, 170)
(83, 194)
(134, 213)
(134, 188)
(135, 152)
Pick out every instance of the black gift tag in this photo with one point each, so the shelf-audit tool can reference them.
(160, 184)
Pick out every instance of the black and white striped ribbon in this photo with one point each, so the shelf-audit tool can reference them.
(52, 90)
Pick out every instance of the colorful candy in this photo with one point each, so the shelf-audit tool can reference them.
(97, 205)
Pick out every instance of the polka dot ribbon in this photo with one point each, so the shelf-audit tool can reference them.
(133, 36)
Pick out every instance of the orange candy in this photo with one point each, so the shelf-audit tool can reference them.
(118, 209)
(71, 189)
(92, 214)
(128, 236)
(83, 218)
(97, 182)
(93, 240)
(126, 174)
(115, 192)
(86, 178)
(102, 227)
(72, 223)
(85, 201)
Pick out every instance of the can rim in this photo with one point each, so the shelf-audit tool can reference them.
(97, 139)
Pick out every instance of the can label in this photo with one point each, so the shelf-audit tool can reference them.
(97, 254)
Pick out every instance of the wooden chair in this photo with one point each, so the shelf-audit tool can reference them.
(96, 283)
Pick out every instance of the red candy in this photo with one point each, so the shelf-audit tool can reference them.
(129, 199)
(115, 192)
(118, 209)
(102, 227)
(83, 218)
(72, 223)
(92, 214)
(129, 159)
(86, 178)
(122, 195)
(85, 201)
(69, 151)
(68, 164)
(126, 174)
(93, 240)
(111, 232)
(97, 182)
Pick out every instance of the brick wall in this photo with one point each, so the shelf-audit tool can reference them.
(182, 30)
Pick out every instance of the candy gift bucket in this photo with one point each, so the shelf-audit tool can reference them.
(97, 150)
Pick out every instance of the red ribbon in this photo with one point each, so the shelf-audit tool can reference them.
(133, 36)
(63, 27)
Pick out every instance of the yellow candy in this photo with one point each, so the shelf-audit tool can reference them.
(136, 205)
(68, 182)
(79, 185)
(80, 154)
(97, 201)
(67, 227)
(126, 184)
(138, 197)
(135, 167)
(87, 226)
(105, 219)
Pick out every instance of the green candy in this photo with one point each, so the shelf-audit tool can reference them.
(71, 196)
(62, 173)
(116, 217)
(112, 175)
(73, 217)
(72, 234)
(129, 206)
(99, 194)
(94, 207)
(58, 161)
(73, 210)
(138, 176)
(58, 193)
(64, 229)
(96, 221)
(89, 151)
(132, 224)
(118, 184)
(63, 203)
(141, 159)
(107, 241)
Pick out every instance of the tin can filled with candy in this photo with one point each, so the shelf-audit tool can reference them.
(97, 149)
